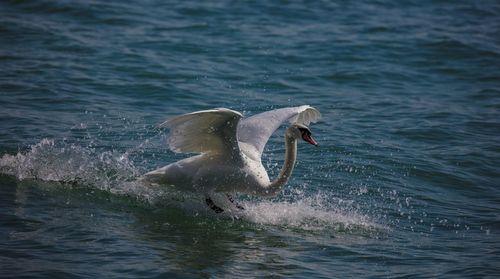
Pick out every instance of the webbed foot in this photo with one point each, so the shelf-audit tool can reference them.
(212, 206)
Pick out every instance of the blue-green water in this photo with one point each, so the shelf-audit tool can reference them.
(405, 183)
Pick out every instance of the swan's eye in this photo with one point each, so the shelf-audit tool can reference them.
(304, 131)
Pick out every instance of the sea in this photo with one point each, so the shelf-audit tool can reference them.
(405, 182)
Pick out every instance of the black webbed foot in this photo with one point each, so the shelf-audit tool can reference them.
(212, 206)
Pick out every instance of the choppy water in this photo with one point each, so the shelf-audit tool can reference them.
(405, 184)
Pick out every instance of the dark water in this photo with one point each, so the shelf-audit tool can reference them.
(405, 184)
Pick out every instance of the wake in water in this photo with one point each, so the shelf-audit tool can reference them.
(113, 172)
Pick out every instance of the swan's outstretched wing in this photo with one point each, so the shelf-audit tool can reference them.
(207, 131)
(255, 131)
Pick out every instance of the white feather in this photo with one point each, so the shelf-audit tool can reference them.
(255, 131)
(208, 131)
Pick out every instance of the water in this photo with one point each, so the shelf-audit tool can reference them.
(405, 183)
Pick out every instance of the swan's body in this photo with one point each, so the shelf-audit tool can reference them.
(231, 147)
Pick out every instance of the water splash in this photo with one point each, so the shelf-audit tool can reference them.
(70, 164)
(114, 172)
(312, 213)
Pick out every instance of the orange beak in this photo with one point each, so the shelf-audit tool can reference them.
(309, 139)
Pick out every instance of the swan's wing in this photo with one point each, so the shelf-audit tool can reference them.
(207, 131)
(255, 131)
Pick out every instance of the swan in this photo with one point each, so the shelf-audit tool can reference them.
(230, 149)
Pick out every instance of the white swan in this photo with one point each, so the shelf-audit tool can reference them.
(231, 147)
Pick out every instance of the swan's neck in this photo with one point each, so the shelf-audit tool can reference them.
(286, 171)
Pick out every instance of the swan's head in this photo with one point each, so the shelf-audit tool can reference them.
(299, 131)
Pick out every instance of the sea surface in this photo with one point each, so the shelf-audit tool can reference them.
(405, 183)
